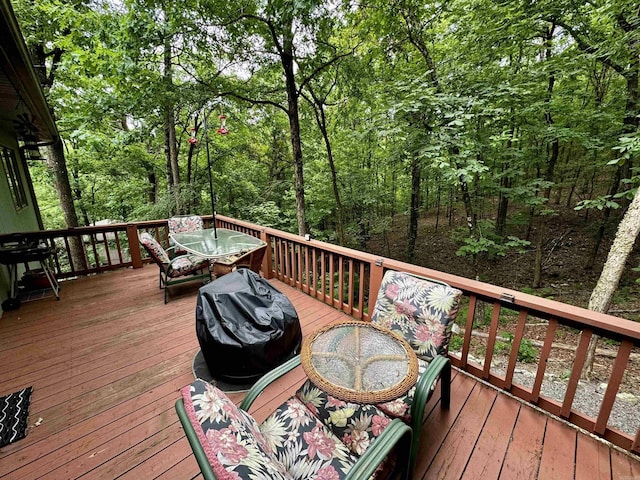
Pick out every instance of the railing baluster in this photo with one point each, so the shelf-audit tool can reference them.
(578, 363)
(544, 357)
(307, 284)
(619, 366)
(350, 299)
(466, 344)
(300, 267)
(340, 282)
(280, 261)
(515, 348)
(293, 255)
(323, 268)
(314, 257)
(96, 256)
(361, 291)
(491, 341)
(56, 259)
(69, 257)
(119, 247)
(331, 279)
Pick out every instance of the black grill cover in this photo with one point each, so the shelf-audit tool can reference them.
(245, 326)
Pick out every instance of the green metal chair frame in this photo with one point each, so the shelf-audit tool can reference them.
(396, 434)
(439, 368)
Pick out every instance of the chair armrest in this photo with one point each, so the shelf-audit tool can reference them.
(266, 380)
(423, 387)
(198, 451)
(396, 433)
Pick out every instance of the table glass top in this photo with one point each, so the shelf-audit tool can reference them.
(205, 244)
(360, 362)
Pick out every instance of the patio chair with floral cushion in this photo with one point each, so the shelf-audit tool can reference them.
(422, 311)
(180, 269)
(181, 224)
(292, 443)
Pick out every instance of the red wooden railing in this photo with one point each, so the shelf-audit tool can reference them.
(349, 280)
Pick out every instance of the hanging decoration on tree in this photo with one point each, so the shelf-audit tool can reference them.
(192, 139)
(223, 128)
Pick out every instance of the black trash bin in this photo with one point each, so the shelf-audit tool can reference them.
(245, 327)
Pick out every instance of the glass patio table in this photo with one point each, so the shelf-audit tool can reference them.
(359, 362)
(205, 244)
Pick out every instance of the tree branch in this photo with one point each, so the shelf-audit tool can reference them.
(586, 47)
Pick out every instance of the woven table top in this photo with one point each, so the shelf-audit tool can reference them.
(359, 362)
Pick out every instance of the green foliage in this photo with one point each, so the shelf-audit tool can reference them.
(455, 344)
(526, 353)
(402, 85)
(600, 203)
(488, 243)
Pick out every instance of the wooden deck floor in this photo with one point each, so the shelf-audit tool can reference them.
(107, 360)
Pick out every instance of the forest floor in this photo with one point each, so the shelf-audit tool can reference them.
(569, 241)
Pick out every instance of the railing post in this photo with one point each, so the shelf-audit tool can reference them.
(376, 272)
(268, 256)
(134, 249)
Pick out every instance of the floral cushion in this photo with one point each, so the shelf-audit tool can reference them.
(420, 311)
(401, 407)
(230, 437)
(304, 445)
(185, 224)
(356, 425)
(154, 248)
(183, 265)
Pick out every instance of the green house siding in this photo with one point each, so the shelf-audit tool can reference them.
(12, 220)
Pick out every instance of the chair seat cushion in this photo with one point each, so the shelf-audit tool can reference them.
(357, 425)
(183, 265)
(231, 438)
(304, 445)
(401, 406)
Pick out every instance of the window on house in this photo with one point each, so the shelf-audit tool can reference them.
(16, 187)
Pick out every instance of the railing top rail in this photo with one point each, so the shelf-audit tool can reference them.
(578, 316)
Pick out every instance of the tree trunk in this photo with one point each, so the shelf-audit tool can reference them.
(171, 150)
(414, 209)
(537, 271)
(286, 59)
(605, 221)
(321, 120)
(503, 204)
(602, 294)
(57, 162)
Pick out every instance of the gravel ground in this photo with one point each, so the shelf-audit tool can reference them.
(625, 415)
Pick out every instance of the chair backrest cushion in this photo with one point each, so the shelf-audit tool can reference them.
(187, 223)
(152, 246)
(230, 437)
(420, 311)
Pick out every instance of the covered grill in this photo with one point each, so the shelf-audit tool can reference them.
(245, 326)
(20, 249)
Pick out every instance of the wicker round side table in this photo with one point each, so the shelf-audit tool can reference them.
(359, 362)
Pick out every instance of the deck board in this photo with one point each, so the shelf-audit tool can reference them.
(106, 363)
